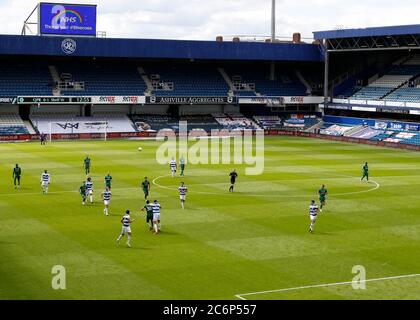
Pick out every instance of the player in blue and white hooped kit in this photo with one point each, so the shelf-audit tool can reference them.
(313, 214)
(106, 197)
(182, 194)
(45, 181)
(89, 189)
(126, 228)
(173, 166)
(156, 216)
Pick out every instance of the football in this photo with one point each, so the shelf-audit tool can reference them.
(140, 149)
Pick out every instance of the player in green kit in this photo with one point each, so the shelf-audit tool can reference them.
(145, 185)
(86, 164)
(322, 197)
(149, 214)
(366, 172)
(233, 175)
(17, 172)
(83, 192)
(108, 180)
(182, 164)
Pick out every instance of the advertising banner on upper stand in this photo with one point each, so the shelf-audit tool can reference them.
(191, 100)
(281, 100)
(81, 100)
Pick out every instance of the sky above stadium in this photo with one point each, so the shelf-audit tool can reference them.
(201, 19)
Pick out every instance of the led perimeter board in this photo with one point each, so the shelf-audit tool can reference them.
(67, 19)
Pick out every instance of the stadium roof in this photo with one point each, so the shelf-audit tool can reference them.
(157, 49)
(368, 32)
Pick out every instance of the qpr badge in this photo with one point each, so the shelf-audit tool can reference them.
(68, 46)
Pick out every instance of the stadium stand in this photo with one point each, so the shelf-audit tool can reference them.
(390, 81)
(156, 123)
(366, 133)
(374, 129)
(244, 93)
(370, 93)
(294, 121)
(194, 122)
(381, 87)
(153, 122)
(409, 92)
(241, 88)
(300, 122)
(12, 124)
(117, 79)
(101, 80)
(392, 86)
(335, 129)
(20, 79)
(242, 122)
(340, 126)
(216, 121)
(186, 80)
(347, 92)
(285, 84)
(235, 121)
(405, 94)
(72, 123)
(412, 138)
(204, 122)
(269, 122)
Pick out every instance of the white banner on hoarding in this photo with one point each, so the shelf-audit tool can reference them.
(81, 100)
(62, 124)
(118, 99)
(364, 109)
(281, 100)
(384, 103)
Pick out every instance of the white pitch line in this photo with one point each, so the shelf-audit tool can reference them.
(176, 189)
(377, 186)
(242, 295)
(17, 193)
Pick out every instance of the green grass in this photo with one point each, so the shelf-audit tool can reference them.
(223, 244)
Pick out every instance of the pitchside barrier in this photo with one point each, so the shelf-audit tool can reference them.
(342, 139)
(128, 135)
(80, 136)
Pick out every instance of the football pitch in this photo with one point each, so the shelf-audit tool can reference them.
(252, 244)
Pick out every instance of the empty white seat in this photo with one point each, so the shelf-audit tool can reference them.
(390, 81)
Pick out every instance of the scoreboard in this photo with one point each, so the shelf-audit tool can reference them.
(53, 100)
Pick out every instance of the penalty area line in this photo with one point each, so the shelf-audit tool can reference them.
(242, 295)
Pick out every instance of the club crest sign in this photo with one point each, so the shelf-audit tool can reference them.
(68, 46)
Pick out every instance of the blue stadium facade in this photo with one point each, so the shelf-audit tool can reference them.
(159, 49)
